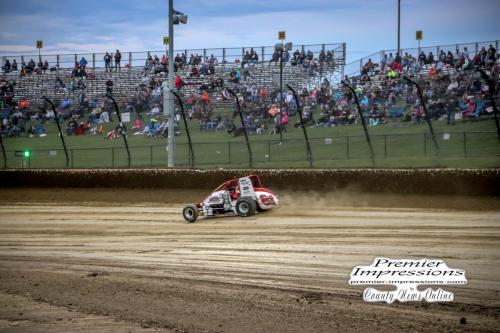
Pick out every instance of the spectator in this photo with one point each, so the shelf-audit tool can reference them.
(83, 62)
(118, 58)
(6, 66)
(107, 61)
(109, 87)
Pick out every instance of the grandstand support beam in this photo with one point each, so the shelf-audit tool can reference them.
(168, 102)
(3, 152)
(56, 117)
(122, 128)
(306, 137)
(492, 91)
(424, 105)
(360, 112)
(238, 107)
(191, 152)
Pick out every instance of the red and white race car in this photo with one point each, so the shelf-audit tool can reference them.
(242, 196)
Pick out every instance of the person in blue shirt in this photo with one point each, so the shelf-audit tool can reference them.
(83, 62)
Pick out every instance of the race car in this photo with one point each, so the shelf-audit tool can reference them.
(242, 196)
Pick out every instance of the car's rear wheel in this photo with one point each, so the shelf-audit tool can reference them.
(190, 213)
(246, 207)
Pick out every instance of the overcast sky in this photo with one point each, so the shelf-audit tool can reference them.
(367, 26)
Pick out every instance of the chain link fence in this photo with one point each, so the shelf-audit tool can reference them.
(333, 151)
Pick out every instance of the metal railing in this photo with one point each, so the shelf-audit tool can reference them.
(355, 67)
(138, 59)
(390, 150)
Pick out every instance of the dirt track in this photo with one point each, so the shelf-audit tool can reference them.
(99, 266)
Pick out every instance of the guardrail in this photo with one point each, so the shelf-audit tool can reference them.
(355, 67)
(138, 59)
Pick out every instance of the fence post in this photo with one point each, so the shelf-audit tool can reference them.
(360, 66)
(72, 159)
(204, 54)
(151, 155)
(465, 144)
(347, 147)
(76, 58)
(112, 157)
(262, 51)
(130, 59)
(385, 146)
(269, 150)
(477, 47)
(425, 144)
(93, 62)
(57, 61)
(229, 151)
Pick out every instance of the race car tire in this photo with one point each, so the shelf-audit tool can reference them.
(246, 207)
(190, 213)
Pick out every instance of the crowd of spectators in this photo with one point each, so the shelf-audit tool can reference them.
(451, 86)
(459, 60)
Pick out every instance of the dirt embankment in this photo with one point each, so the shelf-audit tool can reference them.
(407, 181)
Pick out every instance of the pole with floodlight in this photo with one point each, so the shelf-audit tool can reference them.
(174, 17)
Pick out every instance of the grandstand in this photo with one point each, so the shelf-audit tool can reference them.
(263, 73)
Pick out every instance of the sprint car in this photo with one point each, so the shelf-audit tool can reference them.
(241, 196)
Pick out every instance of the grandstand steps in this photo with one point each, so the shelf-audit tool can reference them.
(125, 82)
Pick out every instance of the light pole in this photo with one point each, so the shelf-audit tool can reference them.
(174, 17)
(281, 94)
(399, 27)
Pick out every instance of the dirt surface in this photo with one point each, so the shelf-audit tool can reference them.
(120, 261)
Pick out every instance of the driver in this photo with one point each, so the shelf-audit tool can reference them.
(234, 192)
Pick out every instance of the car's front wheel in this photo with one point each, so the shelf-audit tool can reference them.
(246, 207)
(190, 213)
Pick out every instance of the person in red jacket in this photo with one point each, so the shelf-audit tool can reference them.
(179, 82)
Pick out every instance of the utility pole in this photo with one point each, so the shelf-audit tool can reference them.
(168, 102)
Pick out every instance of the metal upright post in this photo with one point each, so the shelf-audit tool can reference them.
(368, 140)
(306, 137)
(56, 117)
(250, 157)
(427, 118)
(124, 132)
(191, 152)
(3, 152)
(492, 92)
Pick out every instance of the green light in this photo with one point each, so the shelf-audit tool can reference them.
(27, 153)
